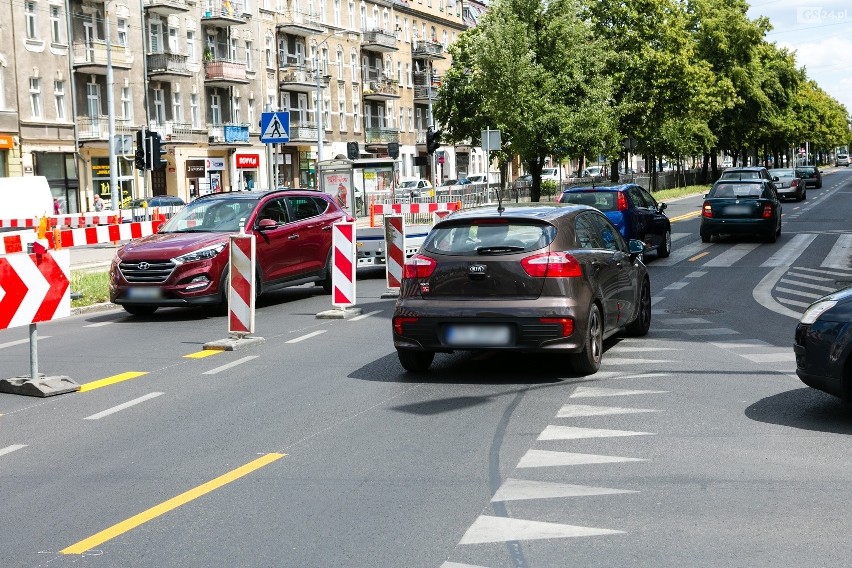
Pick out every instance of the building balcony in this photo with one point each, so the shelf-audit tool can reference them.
(378, 40)
(174, 132)
(223, 73)
(96, 128)
(303, 133)
(381, 90)
(167, 65)
(422, 94)
(428, 50)
(165, 7)
(381, 135)
(302, 24)
(232, 134)
(224, 13)
(300, 79)
(91, 57)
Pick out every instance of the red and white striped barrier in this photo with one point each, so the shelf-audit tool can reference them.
(394, 250)
(413, 208)
(70, 220)
(343, 265)
(103, 234)
(241, 285)
(16, 241)
(35, 288)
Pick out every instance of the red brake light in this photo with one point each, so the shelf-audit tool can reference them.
(398, 322)
(707, 211)
(622, 202)
(418, 266)
(566, 323)
(767, 211)
(552, 265)
(794, 183)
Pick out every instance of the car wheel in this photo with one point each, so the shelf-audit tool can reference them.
(772, 236)
(819, 185)
(588, 361)
(640, 326)
(665, 248)
(139, 310)
(326, 282)
(804, 195)
(415, 361)
(706, 238)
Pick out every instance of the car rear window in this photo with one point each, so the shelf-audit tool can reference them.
(741, 175)
(782, 173)
(489, 237)
(739, 190)
(602, 200)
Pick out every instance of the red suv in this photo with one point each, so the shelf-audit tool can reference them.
(186, 262)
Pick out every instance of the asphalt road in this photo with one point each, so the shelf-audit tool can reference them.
(694, 446)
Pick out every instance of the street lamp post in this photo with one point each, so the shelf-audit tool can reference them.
(113, 161)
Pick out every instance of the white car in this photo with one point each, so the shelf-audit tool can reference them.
(593, 171)
(478, 178)
(842, 160)
(415, 187)
(550, 174)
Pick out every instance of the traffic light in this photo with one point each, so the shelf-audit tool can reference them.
(155, 146)
(139, 156)
(393, 150)
(352, 150)
(433, 140)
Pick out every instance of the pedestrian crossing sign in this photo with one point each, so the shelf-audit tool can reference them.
(275, 127)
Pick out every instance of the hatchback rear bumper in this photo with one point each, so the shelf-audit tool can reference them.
(737, 226)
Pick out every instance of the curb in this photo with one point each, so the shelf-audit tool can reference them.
(94, 308)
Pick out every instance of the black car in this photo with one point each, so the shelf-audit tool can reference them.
(530, 278)
(823, 343)
(746, 173)
(747, 206)
(810, 175)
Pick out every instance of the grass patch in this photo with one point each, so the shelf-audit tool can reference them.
(668, 194)
(94, 287)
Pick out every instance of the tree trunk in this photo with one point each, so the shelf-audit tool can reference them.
(705, 162)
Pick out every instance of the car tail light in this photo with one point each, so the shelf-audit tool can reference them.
(398, 322)
(767, 211)
(622, 202)
(418, 266)
(552, 265)
(794, 183)
(566, 323)
(707, 211)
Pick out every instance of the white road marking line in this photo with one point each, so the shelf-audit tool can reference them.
(590, 392)
(675, 285)
(362, 316)
(12, 448)
(748, 344)
(457, 565)
(501, 529)
(620, 376)
(696, 274)
(682, 254)
(548, 458)
(839, 255)
(731, 255)
(22, 341)
(631, 361)
(229, 365)
(789, 302)
(628, 349)
(825, 271)
(306, 336)
(124, 406)
(799, 293)
(785, 357)
(712, 331)
(793, 274)
(519, 489)
(99, 324)
(809, 285)
(578, 410)
(656, 299)
(684, 321)
(762, 293)
(790, 251)
(574, 433)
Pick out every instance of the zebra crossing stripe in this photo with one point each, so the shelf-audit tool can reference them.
(789, 302)
(790, 251)
(680, 255)
(730, 256)
(826, 271)
(575, 433)
(521, 489)
(457, 565)
(549, 458)
(838, 257)
(501, 529)
(794, 274)
(799, 293)
(589, 392)
(578, 410)
(809, 285)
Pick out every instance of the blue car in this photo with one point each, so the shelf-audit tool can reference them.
(633, 210)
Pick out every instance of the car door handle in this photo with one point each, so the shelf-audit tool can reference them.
(326, 228)
(293, 237)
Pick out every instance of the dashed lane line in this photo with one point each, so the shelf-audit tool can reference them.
(21, 341)
(12, 448)
(120, 407)
(306, 336)
(230, 365)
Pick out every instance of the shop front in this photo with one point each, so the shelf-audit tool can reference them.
(247, 168)
(7, 144)
(60, 169)
(205, 176)
(100, 179)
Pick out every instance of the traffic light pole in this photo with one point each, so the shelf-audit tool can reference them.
(115, 199)
(431, 124)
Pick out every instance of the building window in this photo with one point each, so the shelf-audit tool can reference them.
(215, 110)
(127, 103)
(337, 13)
(356, 116)
(236, 111)
(122, 32)
(59, 97)
(30, 19)
(249, 56)
(268, 52)
(353, 64)
(339, 63)
(341, 114)
(406, 31)
(2, 87)
(252, 121)
(408, 74)
(190, 47)
(35, 97)
(159, 106)
(410, 120)
(401, 119)
(177, 107)
(444, 39)
(193, 110)
(351, 14)
(93, 100)
(55, 24)
(399, 72)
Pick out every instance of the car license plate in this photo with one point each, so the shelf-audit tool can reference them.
(144, 293)
(738, 210)
(478, 335)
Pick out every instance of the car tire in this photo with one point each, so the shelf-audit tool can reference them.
(415, 361)
(135, 310)
(772, 236)
(642, 323)
(588, 361)
(665, 248)
(706, 238)
(326, 282)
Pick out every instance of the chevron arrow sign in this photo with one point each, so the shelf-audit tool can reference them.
(34, 288)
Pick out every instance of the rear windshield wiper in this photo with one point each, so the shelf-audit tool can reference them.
(498, 248)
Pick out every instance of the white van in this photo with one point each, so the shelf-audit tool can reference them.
(25, 197)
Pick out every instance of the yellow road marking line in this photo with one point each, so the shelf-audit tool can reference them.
(697, 256)
(203, 354)
(111, 380)
(173, 503)
(685, 216)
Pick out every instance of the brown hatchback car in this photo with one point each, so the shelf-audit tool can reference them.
(528, 278)
(186, 262)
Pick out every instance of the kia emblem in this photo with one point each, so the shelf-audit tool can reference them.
(476, 269)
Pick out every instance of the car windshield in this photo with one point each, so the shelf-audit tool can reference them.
(603, 200)
(737, 190)
(489, 236)
(409, 183)
(741, 175)
(548, 171)
(782, 173)
(806, 170)
(221, 215)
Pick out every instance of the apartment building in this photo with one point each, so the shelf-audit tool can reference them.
(200, 73)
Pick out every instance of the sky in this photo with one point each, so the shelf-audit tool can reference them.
(820, 32)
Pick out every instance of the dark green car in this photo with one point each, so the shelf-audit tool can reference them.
(737, 207)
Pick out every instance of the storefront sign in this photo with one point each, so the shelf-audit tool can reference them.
(100, 170)
(215, 164)
(195, 168)
(6, 142)
(248, 160)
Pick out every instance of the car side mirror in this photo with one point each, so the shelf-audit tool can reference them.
(662, 206)
(635, 247)
(775, 178)
(266, 224)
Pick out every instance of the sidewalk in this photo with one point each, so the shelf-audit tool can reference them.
(92, 258)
